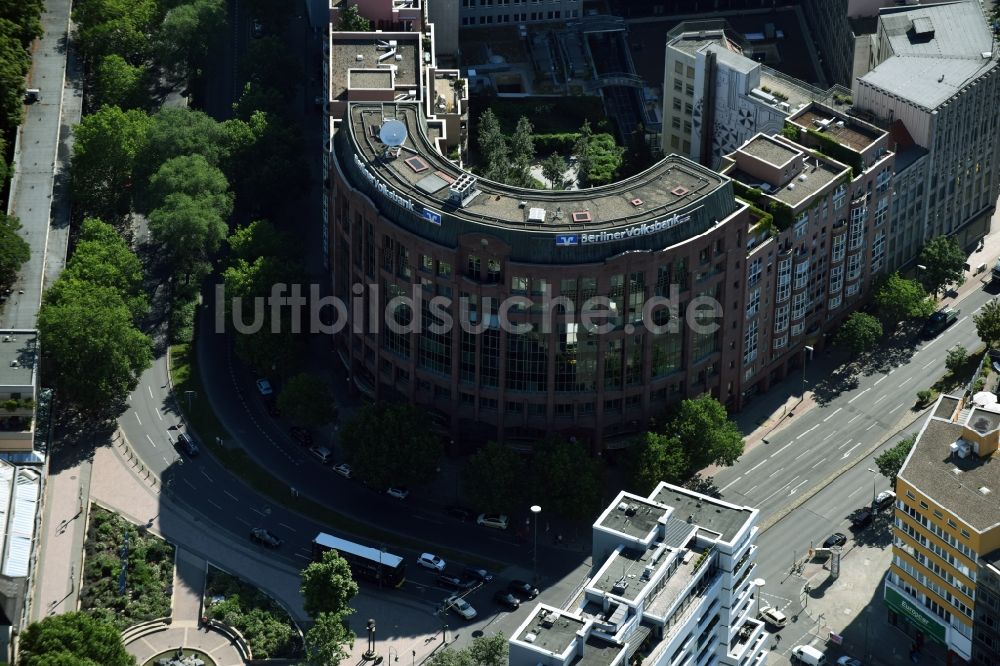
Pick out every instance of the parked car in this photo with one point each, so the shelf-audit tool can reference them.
(861, 518)
(398, 492)
(461, 606)
(835, 539)
(479, 574)
(187, 444)
(772, 616)
(264, 537)
(460, 512)
(497, 521)
(256, 29)
(939, 321)
(344, 470)
(807, 654)
(264, 387)
(885, 499)
(431, 561)
(507, 600)
(522, 589)
(322, 454)
(302, 436)
(848, 661)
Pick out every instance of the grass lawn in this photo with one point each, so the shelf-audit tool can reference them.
(149, 576)
(265, 625)
(185, 376)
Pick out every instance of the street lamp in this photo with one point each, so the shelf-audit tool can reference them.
(759, 582)
(370, 652)
(875, 472)
(535, 509)
(390, 649)
(807, 353)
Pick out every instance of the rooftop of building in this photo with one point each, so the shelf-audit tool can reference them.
(420, 173)
(664, 598)
(769, 150)
(550, 629)
(732, 58)
(400, 63)
(18, 357)
(936, 49)
(622, 573)
(694, 41)
(845, 130)
(632, 515)
(717, 517)
(597, 652)
(817, 172)
(953, 481)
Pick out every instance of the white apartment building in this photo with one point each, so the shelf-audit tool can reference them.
(672, 583)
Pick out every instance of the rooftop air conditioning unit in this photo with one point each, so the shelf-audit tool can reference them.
(623, 506)
(549, 619)
(359, 57)
(530, 637)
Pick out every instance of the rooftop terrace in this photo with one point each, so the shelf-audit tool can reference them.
(376, 54)
(853, 134)
(768, 150)
(18, 353)
(633, 516)
(550, 630)
(720, 518)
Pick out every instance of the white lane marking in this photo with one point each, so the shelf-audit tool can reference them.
(205, 474)
(879, 400)
(851, 450)
(214, 504)
(959, 322)
(929, 343)
(287, 527)
(804, 453)
(245, 522)
(858, 491)
(189, 483)
(905, 382)
(258, 511)
(803, 482)
(150, 440)
(976, 311)
(756, 466)
(781, 449)
(234, 497)
(828, 436)
(928, 364)
(880, 380)
(895, 408)
(832, 415)
(304, 557)
(870, 427)
(807, 432)
(137, 417)
(859, 395)
(855, 419)
(775, 472)
(159, 415)
(731, 483)
(845, 443)
(818, 464)
(779, 490)
(150, 389)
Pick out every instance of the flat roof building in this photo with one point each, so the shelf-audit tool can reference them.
(671, 583)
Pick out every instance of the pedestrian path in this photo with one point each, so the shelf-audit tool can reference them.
(189, 584)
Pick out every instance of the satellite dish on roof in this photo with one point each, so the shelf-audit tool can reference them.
(392, 133)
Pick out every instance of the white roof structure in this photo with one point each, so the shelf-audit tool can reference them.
(21, 530)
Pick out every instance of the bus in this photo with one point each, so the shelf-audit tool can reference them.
(366, 562)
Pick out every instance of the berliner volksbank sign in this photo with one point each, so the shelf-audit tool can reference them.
(644, 229)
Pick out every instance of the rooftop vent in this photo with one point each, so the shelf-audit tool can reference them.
(690, 519)
(802, 177)
(359, 57)
(548, 619)
(983, 490)
(941, 78)
(636, 202)
(623, 506)
(679, 191)
(530, 637)
(620, 586)
(462, 189)
(791, 186)
(582, 216)
(840, 124)
(536, 215)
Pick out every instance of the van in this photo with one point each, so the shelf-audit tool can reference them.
(807, 654)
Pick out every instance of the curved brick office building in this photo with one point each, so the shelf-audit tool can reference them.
(413, 223)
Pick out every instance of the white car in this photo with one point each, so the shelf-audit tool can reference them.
(773, 617)
(397, 492)
(431, 561)
(264, 387)
(460, 606)
(497, 521)
(344, 470)
(885, 499)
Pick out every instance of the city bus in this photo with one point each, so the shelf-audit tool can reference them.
(372, 564)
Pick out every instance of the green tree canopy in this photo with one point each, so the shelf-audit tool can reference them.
(493, 479)
(328, 641)
(605, 159)
(115, 26)
(522, 153)
(483, 651)
(351, 20)
(186, 32)
(956, 358)
(270, 64)
(655, 458)
(256, 97)
(493, 149)
(257, 239)
(327, 586)
(944, 263)
(25, 15)
(106, 146)
(898, 298)
(890, 461)
(117, 83)
(391, 445)
(860, 333)
(72, 639)
(14, 65)
(97, 353)
(706, 434)
(566, 479)
(988, 324)
(174, 132)
(581, 151)
(194, 176)
(189, 231)
(14, 250)
(103, 259)
(307, 400)
(265, 160)
(553, 168)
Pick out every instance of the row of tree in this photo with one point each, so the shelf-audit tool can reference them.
(20, 24)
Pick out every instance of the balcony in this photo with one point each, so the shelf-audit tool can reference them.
(749, 633)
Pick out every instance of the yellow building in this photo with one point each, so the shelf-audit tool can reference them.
(947, 516)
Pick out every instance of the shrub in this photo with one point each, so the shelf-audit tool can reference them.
(925, 397)
(546, 144)
(266, 626)
(182, 314)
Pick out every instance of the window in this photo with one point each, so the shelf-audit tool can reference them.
(519, 285)
(951, 523)
(444, 269)
(839, 196)
(878, 249)
(882, 180)
(474, 266)
(784, 279)
(754, 269)
(834, 302)
(678, 67)
(854, 266)
(836, 279)
(689, 89)
(677, 103)
(799, 305)
(802, 224)
(750, 343)
(781, 318)
(688, 109)
(781, 341)
(675, 122)
(839, 248)
(426, 263)
(678, 85)
(881, 211)
(753, 303)
(801, 275)
(857, 227)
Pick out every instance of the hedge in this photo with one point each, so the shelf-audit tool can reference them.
(546, 144)
(831, 148)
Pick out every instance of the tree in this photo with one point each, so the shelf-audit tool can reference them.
(73, 639)
(605, 159)
(97, 353)
(14, 65)
(898, 298)
(553, 168)
(890, 461)
(860, 333)
(270, 64)
(189, 231)
(115, 26)
(988, 324)
(194, 176)
(25, 18)
(106, 145)
(256, 97)
(391, 445)
(180, 131)
(956, 358)
(186, 32)
(328, 640)
(567, 479)
(117, 83)
(705, 433)
(581, 150)
(493, 149)
(265, 161)
(351, 20)
(327, 586)
(483, 651)
(103, 259)
(14, 250)
(493, 479)
(943, 262)
(522, 153)
(308, 401)
(257, 239)
(655, 458)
